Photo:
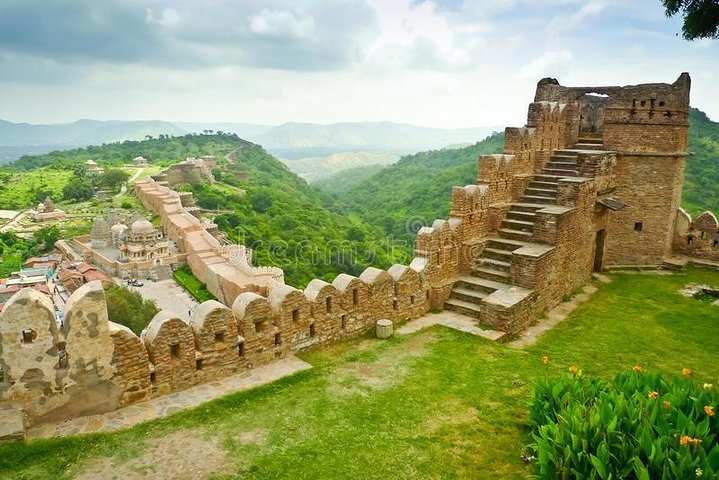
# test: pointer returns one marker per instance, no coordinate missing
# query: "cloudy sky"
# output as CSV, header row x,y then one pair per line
x,y
443,63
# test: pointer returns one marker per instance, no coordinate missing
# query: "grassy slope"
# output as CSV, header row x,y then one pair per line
x,y
701,183
441,404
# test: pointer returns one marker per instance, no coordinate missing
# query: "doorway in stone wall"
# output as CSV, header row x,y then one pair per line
x,y
592,107
599,250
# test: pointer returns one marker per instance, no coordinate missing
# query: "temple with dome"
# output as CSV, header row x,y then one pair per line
x,y
139,251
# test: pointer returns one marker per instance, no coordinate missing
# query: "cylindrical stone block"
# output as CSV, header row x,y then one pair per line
x,y
384,328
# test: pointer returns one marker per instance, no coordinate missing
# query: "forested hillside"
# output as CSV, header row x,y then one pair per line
x,y
701,183
416,190
288,223
342,182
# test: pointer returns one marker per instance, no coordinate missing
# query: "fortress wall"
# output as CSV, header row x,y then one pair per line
x,y
108,366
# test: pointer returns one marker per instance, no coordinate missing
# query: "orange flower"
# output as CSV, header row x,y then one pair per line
x,y
686,372
666,404
709,410
637,368
653,395
574,370
684,440
545,360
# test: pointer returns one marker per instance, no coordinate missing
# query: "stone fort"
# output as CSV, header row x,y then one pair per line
x,y
593,181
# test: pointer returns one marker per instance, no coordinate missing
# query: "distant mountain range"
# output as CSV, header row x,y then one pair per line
x,y
301,140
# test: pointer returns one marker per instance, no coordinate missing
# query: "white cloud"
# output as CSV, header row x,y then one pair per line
x,y
566,23
282,23
168,18
550,63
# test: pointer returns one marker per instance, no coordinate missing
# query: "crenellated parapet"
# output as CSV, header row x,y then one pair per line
x,y
697,239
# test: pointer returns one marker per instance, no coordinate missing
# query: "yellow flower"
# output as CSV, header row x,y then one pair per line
x,y
708,386
637,368
545,360
574,370
709,410
666,404
686,372
696,441
653,395
698,472
685,440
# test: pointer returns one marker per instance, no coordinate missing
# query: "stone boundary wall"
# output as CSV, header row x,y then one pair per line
x,y
92,365
698,239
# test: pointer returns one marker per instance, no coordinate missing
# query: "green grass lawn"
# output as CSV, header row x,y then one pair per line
x,y
192,284
436,404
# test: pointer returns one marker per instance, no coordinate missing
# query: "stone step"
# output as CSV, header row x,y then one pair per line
x,y
563,157
522,225
544,185
538,199
599,140
465,308
541,192
494,264
490,274
589,146
506,244
560,173
545,177
520,215
561,165
468,295
497,254
526,207
515,234
480,284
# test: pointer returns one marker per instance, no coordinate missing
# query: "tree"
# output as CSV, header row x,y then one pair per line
x,y
701,17
128,308
47,236
114,177
77,189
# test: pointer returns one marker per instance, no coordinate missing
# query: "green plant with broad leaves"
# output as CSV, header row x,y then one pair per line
x,y
640,426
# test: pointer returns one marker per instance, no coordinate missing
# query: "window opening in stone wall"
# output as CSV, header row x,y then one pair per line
x,y
278,339
241,349
198,364
153,377
312,330
2,375
328,305
175,350
219,337
638,226
643,103
296,315
344,321
704,235
355,297
427,294
662,103
259,326
411,299
28,335
395,305
62,357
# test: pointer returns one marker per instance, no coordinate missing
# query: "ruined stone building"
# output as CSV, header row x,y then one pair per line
x,y
592,182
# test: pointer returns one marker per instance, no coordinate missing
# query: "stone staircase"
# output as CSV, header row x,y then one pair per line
x,y
490,271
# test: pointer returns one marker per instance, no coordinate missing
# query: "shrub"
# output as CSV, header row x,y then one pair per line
x,y
640,426
192,284
127,307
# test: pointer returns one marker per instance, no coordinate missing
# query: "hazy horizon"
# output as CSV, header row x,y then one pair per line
x,y
437,64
